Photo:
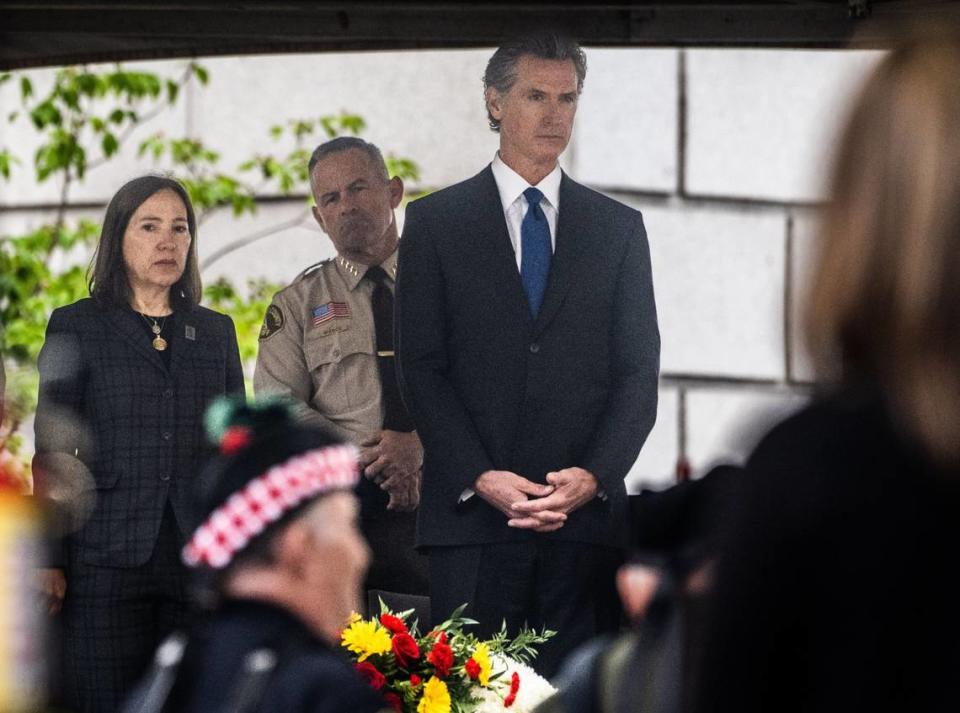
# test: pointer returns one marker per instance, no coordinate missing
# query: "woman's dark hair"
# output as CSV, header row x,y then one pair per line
x,y
107,276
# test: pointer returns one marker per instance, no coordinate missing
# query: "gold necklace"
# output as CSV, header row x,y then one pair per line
x,y
159,343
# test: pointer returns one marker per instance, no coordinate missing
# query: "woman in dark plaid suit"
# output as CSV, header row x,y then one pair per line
x,y
125,377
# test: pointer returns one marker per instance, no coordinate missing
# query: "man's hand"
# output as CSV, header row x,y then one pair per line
x,y
392,459
572,488
404,491
390,453
504,489
51,585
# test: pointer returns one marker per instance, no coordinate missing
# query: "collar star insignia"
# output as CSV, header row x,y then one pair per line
x,y
348,266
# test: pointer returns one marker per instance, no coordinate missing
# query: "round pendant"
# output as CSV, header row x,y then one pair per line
x,y
159,343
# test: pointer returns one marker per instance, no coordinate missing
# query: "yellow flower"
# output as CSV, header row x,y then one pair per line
x,y
365,638
481,655
436,697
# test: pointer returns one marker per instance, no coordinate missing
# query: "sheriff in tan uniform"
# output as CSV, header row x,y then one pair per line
x,y
326,343
317,345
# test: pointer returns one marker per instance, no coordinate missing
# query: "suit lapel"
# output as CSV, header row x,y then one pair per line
x,y
572,225
495,243
125,322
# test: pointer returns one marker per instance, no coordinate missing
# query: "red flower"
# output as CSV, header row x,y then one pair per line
x,y
369,673
234,438
405,649
415,680
394,701
441,656
393,624
472,668
514,687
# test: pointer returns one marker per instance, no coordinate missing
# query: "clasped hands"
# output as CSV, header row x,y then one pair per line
x,y
392,460
537,506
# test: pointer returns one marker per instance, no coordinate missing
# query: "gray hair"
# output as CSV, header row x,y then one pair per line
x,y
347,143
501,70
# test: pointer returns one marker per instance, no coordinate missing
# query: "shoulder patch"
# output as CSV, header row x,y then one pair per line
x,y
272,322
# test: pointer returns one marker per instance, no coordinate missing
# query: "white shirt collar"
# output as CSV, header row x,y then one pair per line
x,y
511,184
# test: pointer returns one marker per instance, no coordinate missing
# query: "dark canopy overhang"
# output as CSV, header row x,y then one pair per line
x,y
55,33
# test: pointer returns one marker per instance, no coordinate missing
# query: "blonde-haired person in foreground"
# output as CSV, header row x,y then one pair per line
x,y
834,590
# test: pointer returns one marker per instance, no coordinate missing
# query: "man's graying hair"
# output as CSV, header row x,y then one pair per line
x,y
501,70
346,143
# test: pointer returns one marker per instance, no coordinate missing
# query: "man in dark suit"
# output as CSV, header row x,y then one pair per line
x,y
529,354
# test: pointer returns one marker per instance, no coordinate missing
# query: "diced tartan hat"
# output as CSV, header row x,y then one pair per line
x,y
268,467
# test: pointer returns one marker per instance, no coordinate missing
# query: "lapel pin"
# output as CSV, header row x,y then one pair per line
x,y
190,332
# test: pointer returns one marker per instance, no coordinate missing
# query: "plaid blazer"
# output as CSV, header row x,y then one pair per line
x,y
107,398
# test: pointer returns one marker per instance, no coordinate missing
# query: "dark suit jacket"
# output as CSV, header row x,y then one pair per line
x,y
490,388
106,396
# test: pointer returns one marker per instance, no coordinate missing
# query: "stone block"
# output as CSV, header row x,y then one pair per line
x,y
719,284
761,123
626,128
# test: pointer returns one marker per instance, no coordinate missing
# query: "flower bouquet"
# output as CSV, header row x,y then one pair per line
x,y
446,670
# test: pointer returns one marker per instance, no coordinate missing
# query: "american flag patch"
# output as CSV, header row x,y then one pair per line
x,y
331,310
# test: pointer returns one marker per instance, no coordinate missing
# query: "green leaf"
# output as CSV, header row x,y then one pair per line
x,y
352,123
109,144
46,114
202,75
89,84
7,160
26,88
276,132
117,116
173,91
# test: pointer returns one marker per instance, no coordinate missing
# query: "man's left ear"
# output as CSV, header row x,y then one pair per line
x,y
396,191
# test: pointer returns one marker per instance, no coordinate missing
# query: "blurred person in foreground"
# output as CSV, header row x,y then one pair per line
x,y
283,561
125,376
663,587
833,592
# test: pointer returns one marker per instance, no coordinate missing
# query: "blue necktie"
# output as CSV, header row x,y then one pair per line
x,y
535,251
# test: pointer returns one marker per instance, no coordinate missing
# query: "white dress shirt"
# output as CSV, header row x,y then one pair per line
x,y
511,186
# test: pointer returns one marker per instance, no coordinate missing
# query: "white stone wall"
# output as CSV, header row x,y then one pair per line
x,y
724,151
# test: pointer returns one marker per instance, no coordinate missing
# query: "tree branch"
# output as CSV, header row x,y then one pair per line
x,y
252,238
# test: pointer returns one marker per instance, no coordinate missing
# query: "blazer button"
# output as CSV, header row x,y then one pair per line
x,y
534,348
164,476
167,435
168,393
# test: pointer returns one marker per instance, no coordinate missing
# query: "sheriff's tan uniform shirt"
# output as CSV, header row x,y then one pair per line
x,y
318,347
